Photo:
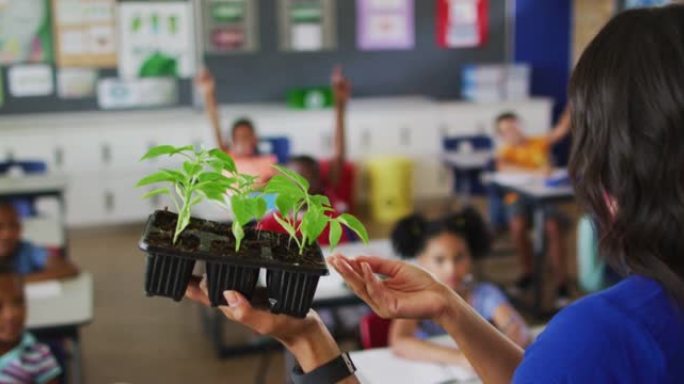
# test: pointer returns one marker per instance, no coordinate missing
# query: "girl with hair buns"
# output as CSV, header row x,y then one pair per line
x,y
446,248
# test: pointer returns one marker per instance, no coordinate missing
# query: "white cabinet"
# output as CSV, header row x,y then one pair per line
x,y
100,151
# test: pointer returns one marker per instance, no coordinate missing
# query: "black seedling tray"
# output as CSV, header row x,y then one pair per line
x,y
291,278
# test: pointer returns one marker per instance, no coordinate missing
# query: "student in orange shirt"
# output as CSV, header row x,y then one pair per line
x,y
244,142
521,153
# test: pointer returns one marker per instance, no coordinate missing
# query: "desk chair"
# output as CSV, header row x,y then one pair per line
x,y
468,182
276,145
374,331
25,206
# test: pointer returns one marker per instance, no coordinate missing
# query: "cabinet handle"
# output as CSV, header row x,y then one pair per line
x,y
59,156
405,136
109,201
365,139
106,154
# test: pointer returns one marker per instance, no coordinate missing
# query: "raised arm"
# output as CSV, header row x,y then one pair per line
x,y
341,91
562,127
206,84
404,343
410,292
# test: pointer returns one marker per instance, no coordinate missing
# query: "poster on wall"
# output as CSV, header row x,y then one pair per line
x,y
85,33
307,25
76,83
137,93
645,3
156,39
230,26
462,23
589,16
28,80
385,24
25,32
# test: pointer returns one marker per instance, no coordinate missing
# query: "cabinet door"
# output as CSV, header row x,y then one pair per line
x,y
123,202
85,199
79,151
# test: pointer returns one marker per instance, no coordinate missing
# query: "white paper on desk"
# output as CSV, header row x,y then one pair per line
x,y
382,366
43,290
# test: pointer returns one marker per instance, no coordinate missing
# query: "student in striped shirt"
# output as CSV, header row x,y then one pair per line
x,y
22,358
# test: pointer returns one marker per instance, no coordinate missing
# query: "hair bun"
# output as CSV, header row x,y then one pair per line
x,y
408,235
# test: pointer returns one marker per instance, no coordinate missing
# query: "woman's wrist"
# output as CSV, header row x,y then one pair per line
x,y
312,348
451,309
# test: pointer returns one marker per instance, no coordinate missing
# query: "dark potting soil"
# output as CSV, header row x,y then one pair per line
x,y
213,241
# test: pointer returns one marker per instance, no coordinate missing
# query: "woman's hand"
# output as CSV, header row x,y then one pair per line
x,y
407,291
307,339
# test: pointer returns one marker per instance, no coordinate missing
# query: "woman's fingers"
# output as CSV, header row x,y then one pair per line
x,y
350,276
383,266
196,291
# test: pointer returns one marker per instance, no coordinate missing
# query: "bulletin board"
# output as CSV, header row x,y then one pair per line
x,y
266,73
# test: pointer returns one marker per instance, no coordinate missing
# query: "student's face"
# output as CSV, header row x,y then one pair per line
x,y
10,231
12,309
309,173
244,141
510,132
447,257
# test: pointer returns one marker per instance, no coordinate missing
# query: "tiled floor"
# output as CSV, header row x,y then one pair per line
x,y
135,339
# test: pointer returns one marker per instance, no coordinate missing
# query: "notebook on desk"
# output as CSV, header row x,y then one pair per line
x,y
382,366
43,290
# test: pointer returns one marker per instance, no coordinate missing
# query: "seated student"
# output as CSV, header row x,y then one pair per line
x,y
446,248
310,169
522,153
22,359
244,147
33,262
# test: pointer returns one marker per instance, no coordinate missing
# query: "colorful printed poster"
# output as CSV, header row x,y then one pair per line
x,y
76,83
30,80
156,39
137,93
385,24
307,25
25,32
230,26
462,23
645,3
85,33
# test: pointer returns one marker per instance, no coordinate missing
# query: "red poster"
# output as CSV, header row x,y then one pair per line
x,y
462,23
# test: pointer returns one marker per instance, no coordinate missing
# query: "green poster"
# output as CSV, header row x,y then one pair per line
x,y
25,32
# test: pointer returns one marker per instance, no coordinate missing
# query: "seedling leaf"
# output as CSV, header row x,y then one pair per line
x,y
227,161
335,233
355,225
155,192
294,176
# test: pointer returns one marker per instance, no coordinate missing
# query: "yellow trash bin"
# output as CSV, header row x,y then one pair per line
x,y
391,187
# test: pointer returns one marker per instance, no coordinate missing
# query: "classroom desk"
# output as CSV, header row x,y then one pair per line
x,y
59,309
467,165
380,365
534,188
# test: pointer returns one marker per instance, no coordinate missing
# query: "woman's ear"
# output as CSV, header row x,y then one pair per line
x,y
611,203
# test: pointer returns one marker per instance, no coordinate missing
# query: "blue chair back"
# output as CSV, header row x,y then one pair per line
x,y
276,145
469,180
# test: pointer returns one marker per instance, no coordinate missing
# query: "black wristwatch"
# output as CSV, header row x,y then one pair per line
x,y
331,372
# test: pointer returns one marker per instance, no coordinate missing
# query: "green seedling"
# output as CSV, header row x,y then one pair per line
x,y
204,175
305,216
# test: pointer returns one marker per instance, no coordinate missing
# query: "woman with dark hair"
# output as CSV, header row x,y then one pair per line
x,y
446,247
627,103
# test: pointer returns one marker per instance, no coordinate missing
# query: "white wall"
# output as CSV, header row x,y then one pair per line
x,y
99,151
